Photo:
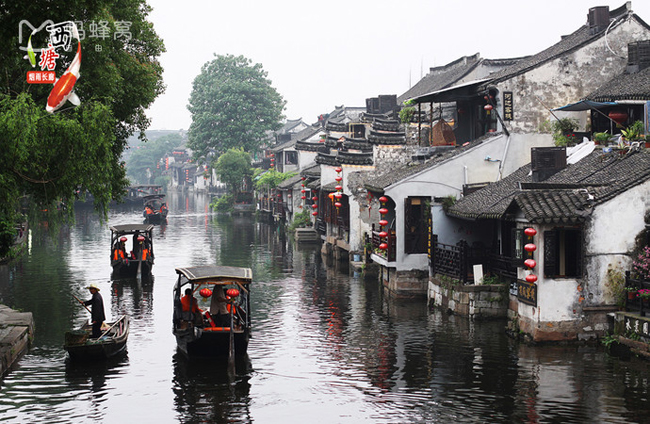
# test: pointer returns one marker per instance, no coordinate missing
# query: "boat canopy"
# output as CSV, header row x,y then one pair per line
x,y
132,228
584,105
213,272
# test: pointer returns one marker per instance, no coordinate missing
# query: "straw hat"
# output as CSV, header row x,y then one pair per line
x,y
92,286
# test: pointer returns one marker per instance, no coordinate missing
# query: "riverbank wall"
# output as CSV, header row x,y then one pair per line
x,y
16,335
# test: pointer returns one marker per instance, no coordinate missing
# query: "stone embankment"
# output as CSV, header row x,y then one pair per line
x,y
16,335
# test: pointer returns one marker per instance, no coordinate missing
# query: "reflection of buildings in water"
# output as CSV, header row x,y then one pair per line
x,y
204,390
132,297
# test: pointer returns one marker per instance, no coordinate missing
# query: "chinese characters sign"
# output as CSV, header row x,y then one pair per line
x,y
508,113
527,292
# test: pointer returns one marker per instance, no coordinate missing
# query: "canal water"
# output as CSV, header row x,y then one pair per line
x,y
327,346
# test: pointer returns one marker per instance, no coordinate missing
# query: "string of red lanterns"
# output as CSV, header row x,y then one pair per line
x,y
530,248
383,234
303,191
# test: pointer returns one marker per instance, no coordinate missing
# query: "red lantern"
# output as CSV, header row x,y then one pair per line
x,y
338,188
530,232
123,239
205,293
383,211
383,199
383,246
531,278
383,234
314,198
303,197
338,195
337,204
303,191
331,196
314,213
232,293
488,107
303,178
314,205
530,247
339,179
618,116
530,263
338,169
383,222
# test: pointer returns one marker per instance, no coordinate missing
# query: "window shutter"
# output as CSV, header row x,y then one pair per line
x,y
550,253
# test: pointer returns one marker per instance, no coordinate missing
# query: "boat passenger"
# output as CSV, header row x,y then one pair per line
x,y
97,316
219,308
189,304
119,251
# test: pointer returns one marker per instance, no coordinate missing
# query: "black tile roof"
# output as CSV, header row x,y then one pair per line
x,y
567,196
442,77
577,39
386,177
624,87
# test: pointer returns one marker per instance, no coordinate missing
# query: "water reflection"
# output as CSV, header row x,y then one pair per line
x,y
327,345
205,391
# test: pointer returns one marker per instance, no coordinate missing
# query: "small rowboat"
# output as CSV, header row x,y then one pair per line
x,y
112,342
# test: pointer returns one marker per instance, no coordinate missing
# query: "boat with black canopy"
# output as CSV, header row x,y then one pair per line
x,y
223,326
155,209
132,253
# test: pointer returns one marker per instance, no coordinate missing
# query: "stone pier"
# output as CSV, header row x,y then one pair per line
x,y
16,335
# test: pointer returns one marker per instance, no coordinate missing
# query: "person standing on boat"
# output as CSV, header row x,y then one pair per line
x,y
97,316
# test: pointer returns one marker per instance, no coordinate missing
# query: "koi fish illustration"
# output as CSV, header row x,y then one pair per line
x,y
30,51
63,87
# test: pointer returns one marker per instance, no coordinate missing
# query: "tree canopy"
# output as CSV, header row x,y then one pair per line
x,y
233,105
148,155
48,158
233,168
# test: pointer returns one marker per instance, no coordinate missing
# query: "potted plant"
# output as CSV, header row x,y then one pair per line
x,y
634,132
631,292
601,137
563,130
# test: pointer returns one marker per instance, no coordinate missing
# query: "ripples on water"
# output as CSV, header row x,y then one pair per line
x,y
327,347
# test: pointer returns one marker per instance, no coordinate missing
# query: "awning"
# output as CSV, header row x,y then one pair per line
x,y
584,105
449,94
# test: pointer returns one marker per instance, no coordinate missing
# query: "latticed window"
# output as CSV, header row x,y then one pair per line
x,y
563,253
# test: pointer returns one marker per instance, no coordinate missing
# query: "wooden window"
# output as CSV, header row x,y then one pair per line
x,y
563,253
415,224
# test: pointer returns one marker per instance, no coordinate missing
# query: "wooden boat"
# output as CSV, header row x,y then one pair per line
x,y
155,208
132,253
112,342
210,333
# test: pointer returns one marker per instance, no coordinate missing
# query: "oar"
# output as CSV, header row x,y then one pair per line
x,y
80,301
109,328
231,348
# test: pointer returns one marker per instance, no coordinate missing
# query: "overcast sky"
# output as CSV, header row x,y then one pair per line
x,y
319,55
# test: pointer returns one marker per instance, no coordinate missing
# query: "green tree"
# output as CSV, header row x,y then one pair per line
x,y
234,169
233,105
47,158
148,155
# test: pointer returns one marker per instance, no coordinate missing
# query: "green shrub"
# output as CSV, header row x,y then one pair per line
x,y
300,220
223,204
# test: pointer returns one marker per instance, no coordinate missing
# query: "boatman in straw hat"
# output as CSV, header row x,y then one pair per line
x,y
97,310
